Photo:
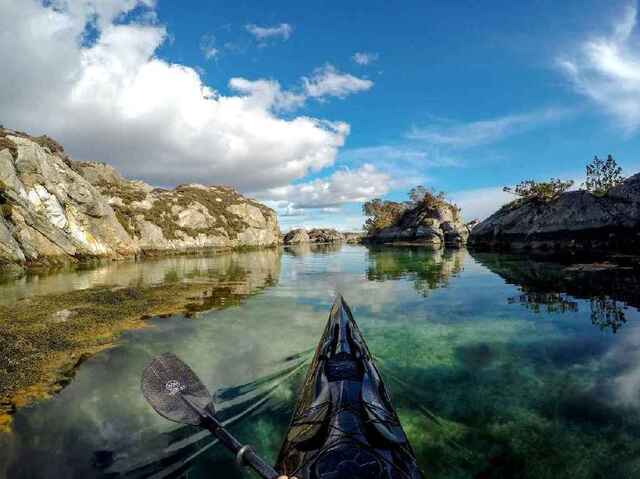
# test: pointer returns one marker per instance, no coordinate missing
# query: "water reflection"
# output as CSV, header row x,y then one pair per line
x,y
485,388
555,286
256,267
427,269
302,249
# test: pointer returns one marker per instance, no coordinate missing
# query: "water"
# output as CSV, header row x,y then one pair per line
x,y
498,366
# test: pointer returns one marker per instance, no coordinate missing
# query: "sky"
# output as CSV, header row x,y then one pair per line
x,y
315,107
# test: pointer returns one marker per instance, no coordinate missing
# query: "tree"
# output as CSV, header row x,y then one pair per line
x,y
602,175
543,191
382,214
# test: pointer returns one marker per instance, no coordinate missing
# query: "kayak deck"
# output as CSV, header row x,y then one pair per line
x,y
344,426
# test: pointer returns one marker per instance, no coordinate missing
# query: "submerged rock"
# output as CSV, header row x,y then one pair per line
x,y
576,220
56,210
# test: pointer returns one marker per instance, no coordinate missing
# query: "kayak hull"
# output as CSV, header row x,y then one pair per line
x,y
344,425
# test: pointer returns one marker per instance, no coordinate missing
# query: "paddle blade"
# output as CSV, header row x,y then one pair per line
x,y
174,390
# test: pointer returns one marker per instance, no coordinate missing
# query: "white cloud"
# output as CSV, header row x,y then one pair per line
x,y
480,203
364,58
607,71
283,31
208,46
463,135
328,81
342,187
116,101
267,94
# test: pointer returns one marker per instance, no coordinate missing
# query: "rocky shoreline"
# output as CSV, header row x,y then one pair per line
x,y
57,211
575,222
319,236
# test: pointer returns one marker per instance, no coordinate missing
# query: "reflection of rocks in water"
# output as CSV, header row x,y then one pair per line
x,y
552,286
429,269
302,249
47,336
607,313
255,266
547,302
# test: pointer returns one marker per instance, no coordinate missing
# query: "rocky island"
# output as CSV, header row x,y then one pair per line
x,y
315,235
57,211
575,221
428,220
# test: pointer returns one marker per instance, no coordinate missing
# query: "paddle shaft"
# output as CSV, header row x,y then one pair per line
x,y
244,454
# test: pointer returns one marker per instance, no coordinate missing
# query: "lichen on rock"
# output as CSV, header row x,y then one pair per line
x,y
55,210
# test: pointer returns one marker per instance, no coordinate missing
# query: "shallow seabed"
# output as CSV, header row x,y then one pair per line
x,y
498,366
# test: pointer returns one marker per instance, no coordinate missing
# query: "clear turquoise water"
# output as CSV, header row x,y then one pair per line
x,y
498,366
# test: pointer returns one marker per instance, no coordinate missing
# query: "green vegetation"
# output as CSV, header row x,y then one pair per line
x,y
383,214
541,191
602,175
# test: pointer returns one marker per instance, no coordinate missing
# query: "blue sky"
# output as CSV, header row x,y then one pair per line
x,y
314,107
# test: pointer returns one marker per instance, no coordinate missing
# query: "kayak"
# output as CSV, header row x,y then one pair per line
x,y
344,426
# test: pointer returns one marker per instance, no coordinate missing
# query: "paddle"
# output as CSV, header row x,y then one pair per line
x,y
177,394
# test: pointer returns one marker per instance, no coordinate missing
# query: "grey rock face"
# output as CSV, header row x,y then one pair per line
x,y
55,210
296,236
316,235
325,235
429,226
577,220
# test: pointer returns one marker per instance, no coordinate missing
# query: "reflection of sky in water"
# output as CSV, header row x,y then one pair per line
x,y
485,387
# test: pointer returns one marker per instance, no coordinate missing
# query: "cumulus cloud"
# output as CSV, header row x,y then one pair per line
x,y
325,82
607,71
484,132
328,81
364,58
113,100
282,31
343,186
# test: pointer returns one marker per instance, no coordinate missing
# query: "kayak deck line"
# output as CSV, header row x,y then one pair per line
x,y
344,425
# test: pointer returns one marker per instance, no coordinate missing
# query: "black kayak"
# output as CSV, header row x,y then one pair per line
x,y
344,426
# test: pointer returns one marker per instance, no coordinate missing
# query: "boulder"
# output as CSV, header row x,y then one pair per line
x,y
296,236
316,235
575,221
325,235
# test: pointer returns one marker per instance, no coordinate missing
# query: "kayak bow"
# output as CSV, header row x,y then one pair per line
x,y
344,426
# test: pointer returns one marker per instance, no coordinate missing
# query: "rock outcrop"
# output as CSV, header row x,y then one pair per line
x,y
353,238
296,236
325,235
575,221
430,225
56,210
316,235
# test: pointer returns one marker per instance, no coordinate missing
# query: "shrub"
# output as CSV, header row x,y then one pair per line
x,y
543,191
602,175
382,214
